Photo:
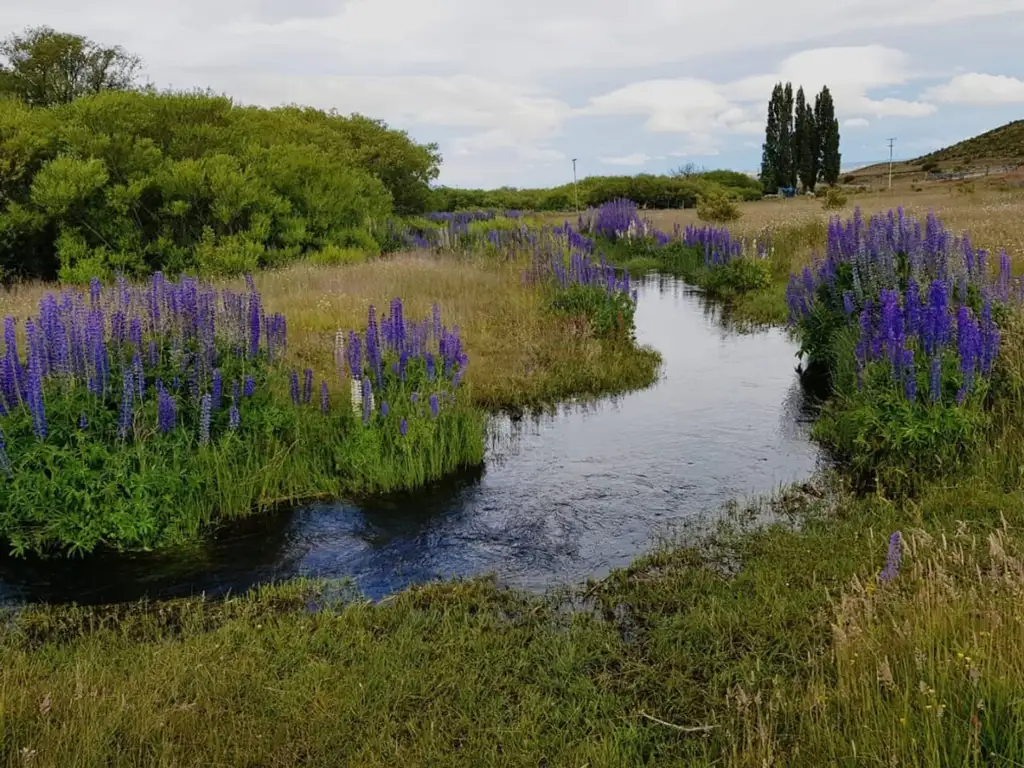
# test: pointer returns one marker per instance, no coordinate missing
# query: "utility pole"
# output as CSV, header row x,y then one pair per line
x,y
575,189
893,139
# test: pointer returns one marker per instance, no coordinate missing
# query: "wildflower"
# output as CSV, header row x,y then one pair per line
x,y
234,418
217,390
367,400
434,405
403,427
294,387
127,396
204,420
167,411
83,422
892,559
307,386
385,409
325,402
250,386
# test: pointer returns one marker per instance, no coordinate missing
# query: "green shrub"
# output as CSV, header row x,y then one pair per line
x,y
610,314
717,208
834,199
737,276
894,445
134,182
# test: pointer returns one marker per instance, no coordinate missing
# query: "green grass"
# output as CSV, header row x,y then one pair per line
x,y
682,658
81,489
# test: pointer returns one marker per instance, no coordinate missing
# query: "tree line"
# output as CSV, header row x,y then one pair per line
x,y
801,141
99,174
679,190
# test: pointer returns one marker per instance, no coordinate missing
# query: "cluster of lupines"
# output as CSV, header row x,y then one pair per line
x,y
716,243
615,219
393,359
566,257
908,291
121,344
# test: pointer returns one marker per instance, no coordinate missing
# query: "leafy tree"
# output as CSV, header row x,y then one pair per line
x,y
828,133
786,172
770,153
43,67
805,143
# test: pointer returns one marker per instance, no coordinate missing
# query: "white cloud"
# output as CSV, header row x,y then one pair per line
x,y
856,122
637,158
978,89
706,111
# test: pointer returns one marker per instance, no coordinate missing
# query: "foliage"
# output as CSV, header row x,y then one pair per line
x,y
43,67
149,413
717,209
910,351
834,199
646,190
806,150
610,314
130,183
828,136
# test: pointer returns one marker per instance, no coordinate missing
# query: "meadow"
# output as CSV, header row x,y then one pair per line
x,y
874,620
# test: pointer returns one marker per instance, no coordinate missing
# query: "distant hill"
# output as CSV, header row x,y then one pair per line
x,y
1000,146
994,151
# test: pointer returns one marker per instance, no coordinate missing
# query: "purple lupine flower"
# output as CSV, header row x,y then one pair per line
x,y
848,307
910,376
139,374
255,318
385,409
373,352
967,346
403,427
892,558
935,379
216,390
236,391
367,400
294,387
250,386
325,402
204,420
167,410
234,418
414,397
354,354
431,367
124,426
435,406
307,386
83,422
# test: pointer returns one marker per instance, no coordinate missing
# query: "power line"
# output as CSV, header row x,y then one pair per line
x,y
891,142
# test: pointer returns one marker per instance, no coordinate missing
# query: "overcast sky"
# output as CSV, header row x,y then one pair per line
x,y
513,90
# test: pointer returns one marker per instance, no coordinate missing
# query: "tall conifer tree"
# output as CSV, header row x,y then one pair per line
x,y
770,148
828,136
786,175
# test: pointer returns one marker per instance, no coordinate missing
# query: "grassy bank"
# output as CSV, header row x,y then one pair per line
x,y
137,416
801,657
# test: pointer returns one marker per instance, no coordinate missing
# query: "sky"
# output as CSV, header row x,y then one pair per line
x,y
512,92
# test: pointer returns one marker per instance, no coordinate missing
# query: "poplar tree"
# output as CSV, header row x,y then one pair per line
x,y
828,136
786,171
770,148
804,142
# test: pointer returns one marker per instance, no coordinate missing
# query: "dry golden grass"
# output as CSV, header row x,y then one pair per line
x,y
993,217
521,354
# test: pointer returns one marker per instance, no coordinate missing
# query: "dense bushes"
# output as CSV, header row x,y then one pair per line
x,y
646,190
137,182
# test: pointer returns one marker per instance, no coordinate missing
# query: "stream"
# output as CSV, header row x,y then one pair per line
x,y
559,499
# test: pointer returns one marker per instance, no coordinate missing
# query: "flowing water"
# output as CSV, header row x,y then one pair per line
x,y
559,499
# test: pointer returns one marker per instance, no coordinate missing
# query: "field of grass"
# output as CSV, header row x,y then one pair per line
x,y
820,627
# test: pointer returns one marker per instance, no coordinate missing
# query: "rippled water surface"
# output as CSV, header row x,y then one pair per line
x,y
559,499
